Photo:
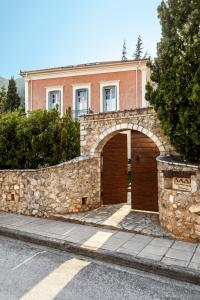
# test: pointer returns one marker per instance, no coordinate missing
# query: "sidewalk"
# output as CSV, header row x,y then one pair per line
x,y
180,260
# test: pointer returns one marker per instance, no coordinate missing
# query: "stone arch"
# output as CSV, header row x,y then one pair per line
x,y
113,130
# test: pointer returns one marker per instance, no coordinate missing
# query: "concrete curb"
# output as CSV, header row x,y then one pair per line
x,y
147,265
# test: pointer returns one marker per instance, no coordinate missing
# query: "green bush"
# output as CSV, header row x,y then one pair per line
x,y
38,140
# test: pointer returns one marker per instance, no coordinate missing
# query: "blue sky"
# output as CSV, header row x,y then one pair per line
x,y
47,33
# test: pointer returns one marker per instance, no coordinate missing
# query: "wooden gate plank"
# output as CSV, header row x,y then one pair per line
x,y
114,170
144,184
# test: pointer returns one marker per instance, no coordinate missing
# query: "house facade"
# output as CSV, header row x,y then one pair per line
x,y
94,87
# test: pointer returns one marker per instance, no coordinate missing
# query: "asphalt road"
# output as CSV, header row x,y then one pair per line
x,y
32,272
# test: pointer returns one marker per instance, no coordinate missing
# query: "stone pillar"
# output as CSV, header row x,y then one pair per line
x,y
179,198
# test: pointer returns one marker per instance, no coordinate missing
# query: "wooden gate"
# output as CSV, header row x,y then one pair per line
x,y
114,170
144,185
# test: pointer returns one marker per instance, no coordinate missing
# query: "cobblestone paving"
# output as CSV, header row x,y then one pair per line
x,y
121,217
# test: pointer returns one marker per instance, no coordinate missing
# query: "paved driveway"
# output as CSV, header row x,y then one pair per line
x,y
121,216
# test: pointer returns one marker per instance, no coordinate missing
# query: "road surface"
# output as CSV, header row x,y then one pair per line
x,y
32,272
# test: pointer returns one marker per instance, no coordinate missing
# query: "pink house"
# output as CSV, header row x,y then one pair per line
x,y
97,87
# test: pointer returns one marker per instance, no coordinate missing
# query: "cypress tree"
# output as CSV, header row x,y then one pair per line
x,y
175,88
124,51
13,99
139,49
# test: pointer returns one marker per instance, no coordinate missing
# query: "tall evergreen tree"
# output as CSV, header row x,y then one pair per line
x,y
13,99
175,88
139,49
146,55
124,51
3,97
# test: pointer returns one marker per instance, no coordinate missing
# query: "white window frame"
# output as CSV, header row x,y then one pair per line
x,y
104,84
79,87
51,89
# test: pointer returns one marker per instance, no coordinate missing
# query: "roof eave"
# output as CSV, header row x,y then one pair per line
x,y
78,67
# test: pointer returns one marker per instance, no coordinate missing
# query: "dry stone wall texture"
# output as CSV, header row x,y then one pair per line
x,y
97,129
179,198
69,187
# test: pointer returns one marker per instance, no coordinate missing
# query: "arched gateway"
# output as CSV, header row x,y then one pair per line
x,y
101,138
97,129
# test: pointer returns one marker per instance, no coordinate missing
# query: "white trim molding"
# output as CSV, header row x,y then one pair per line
x,y
104,84
85,71
144,82
26,95
55,88
81,86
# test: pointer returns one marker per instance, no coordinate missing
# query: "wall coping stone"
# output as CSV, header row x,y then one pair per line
x,y
177,161
180,174
71,161
119,114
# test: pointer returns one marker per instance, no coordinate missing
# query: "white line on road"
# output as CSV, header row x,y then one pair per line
x,y
52,284
27,260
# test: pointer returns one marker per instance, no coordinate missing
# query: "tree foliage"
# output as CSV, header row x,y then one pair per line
x,y
38,140
124,51
138,49
175,88
13,100
3,97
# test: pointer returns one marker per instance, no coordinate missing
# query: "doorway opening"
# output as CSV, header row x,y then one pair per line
x,y
129,171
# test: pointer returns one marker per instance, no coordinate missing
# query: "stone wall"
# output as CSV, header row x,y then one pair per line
x,y
69,187
97,129
179,198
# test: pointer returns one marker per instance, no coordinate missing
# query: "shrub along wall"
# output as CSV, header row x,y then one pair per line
x,y
32,182
40,139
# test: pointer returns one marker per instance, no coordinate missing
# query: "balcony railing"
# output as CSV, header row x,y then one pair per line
x,y
77,113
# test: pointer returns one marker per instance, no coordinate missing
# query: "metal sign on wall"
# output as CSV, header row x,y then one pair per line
x,y
178,180
181,183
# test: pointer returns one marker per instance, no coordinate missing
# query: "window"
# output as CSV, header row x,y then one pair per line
x,y
109,96
81,99
54,98
81,104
